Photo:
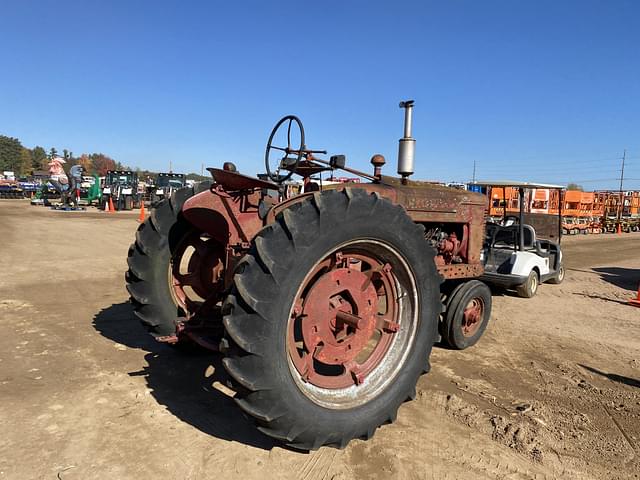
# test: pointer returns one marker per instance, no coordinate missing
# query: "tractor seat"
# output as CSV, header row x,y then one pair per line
x,y
311,187
529,235
531,243
233,181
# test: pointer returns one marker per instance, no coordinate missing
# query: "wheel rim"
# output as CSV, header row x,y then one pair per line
x,y
472,316
534,283
195,271
352,324
561,274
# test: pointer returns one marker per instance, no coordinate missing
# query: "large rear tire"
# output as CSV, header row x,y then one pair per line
x,y
158,239
332,318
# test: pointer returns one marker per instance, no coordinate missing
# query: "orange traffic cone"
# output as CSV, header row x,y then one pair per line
x,y
141,218
619,231
111,209
636,301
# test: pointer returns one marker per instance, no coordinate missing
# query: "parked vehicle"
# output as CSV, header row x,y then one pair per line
x,y
165,185
514,256
325,304
121,187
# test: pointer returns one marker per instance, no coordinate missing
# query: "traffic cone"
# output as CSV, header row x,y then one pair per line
x,y
141,218
636,301
111,208
619,231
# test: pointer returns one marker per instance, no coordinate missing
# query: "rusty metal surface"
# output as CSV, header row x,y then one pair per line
x,y
460,270
233,181
196,266
229,217
336,320
472,316
428,203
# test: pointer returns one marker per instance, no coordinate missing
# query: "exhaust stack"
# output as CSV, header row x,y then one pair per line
x,y
407,147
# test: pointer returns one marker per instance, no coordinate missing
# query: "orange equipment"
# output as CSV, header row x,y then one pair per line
x,y
141,218
636,301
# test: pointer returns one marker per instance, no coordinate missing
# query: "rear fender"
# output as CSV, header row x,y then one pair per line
x,y
230,218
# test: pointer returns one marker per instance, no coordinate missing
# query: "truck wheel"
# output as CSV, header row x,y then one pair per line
x,y
559,276
467,315
332,318
529,288
170,266
128,203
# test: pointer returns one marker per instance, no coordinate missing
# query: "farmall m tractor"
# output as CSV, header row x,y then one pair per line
x,y
326,303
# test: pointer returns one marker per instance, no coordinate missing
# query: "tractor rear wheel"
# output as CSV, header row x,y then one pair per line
x,y
332,318
171,265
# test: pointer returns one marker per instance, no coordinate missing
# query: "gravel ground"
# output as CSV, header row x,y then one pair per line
x,y
551,391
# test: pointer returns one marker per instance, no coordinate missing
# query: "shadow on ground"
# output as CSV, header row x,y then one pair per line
x,y
600,297
626,278
613,377
178,379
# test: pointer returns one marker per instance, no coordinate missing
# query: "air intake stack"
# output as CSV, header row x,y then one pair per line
x,y
407,147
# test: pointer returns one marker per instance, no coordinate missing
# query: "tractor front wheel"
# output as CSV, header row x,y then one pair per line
x,y
332,319
467,315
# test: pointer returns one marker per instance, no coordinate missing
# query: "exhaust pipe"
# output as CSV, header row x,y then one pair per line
x,y
407,147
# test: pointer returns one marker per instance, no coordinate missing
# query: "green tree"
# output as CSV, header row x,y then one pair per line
x,y
86,164
197,177
38,158
25,162
10,153
102,163
53,153
574,186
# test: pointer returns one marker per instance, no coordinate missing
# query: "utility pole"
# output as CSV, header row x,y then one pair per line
x,y
474,172
202,169
624,157
170,167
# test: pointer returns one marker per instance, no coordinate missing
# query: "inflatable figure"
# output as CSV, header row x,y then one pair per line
x,y
67,187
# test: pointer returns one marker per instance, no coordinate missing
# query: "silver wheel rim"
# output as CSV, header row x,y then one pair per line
x,y
395,358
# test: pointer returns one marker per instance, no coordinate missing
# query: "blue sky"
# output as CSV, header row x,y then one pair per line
x,y
539,90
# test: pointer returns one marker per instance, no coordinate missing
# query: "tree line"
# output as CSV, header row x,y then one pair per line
x,y
24,161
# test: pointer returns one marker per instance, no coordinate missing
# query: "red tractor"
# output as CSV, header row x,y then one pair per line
x,y
325,303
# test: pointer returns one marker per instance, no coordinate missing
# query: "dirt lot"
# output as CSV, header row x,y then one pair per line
x,y
551,391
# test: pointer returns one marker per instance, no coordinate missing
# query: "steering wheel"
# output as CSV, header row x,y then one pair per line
x,y
291,163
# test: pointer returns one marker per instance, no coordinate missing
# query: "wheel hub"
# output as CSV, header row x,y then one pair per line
x,y
195,271
343,321
472,317
339,315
